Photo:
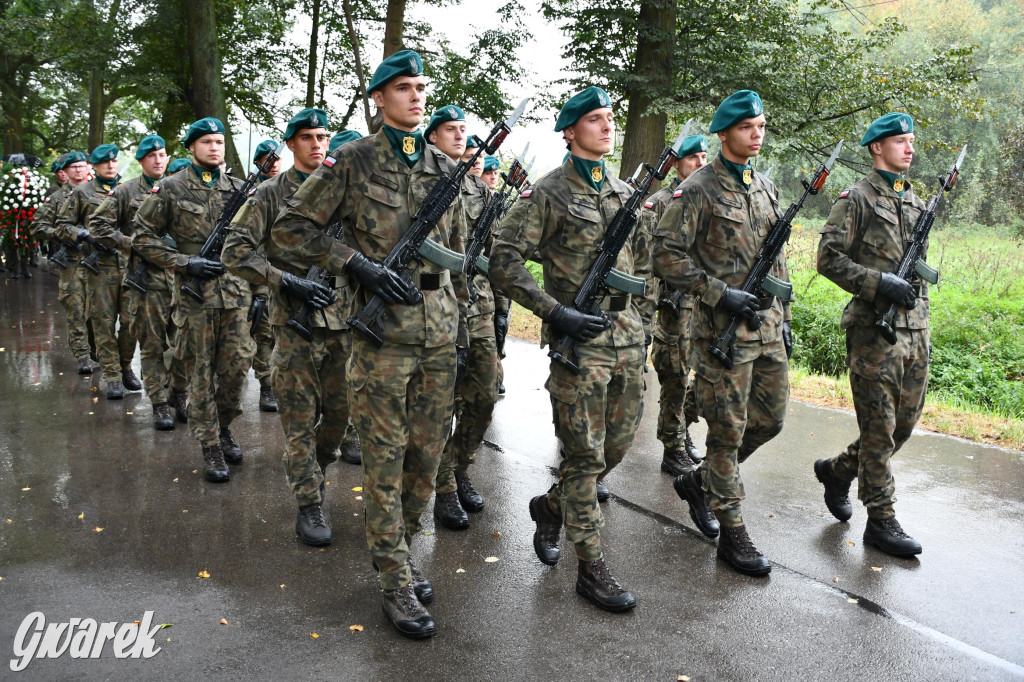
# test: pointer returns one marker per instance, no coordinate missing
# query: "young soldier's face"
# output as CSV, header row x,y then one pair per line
x,y
478,165
154,164
62,176
742,141
490,178
690,163
309,146
450,138
208,150
77,172
401,101
593,135
106,169
894,153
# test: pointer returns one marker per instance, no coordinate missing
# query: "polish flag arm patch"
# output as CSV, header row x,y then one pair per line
x,y
330,161
844,194
678,193
526,193
649,204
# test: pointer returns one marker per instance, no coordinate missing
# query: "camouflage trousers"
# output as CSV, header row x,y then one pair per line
x,y
154,329
474,403
115,347
221,349
677,405
400,397
594,414
71,293
265,339
744,407
312,398
889,385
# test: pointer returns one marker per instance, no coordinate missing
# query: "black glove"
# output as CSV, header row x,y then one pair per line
x,y
81,235
382,281
580,326
739,303
500,330
787,339
897,290
203,268
255,314
308,291
461,361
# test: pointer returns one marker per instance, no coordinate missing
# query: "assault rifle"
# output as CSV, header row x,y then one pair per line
x,y
369,320
913,264
92,261
138,278
215,242
299,322
60,256
760,281
602,276
475,261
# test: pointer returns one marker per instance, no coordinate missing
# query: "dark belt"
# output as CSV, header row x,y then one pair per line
x,y
431,281
617,302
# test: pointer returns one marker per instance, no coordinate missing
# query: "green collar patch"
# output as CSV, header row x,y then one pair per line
x,y
408,146
107,185
206,176
743,173
592,172
149,181
302,176
898,183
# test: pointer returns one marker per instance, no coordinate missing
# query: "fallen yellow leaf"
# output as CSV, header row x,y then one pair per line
x,y
355,628
97,529
25,490
136,622
497,534
166,625
82,515
771,516
850,543
314,635
204,574
129,413
682,678
9,521
836,579
876,569
37,384
223,621
282,586
491,559
853,601
460,570
357,489
174,481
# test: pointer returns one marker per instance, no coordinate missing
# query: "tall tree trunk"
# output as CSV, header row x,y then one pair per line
x,y
371,124
394,27
13,121
644,136
204,59
313,37
96,109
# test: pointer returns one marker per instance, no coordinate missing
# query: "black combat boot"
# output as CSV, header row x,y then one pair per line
x,y
736,549
163,420
548,536
351,450
130,381
407,614
677,462
84,366
311,526
696,455
471,500
837,493
178,400
595,582
216,468
449,513
888,536
268,403
114,390
232,451
420,584
688,488
602,492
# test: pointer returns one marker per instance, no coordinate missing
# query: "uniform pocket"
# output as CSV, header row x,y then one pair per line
x,y
356,375
583,230
562,390
726,226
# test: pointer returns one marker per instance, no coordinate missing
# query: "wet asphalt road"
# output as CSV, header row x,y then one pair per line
x,y
72,462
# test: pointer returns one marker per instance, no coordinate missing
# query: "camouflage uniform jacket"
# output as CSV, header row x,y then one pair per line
x,y
374,194
865,235
80,209
668,324
708,239
250,254
563,220
187,210
44,219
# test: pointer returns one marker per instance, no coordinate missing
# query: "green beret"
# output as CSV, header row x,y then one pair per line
x,y
204,126
582,103
443,115
150,143
74,157
895,123
735,108
693,144
264,148
474,142
59,164
105,152
491,163
177,165
307,118
344,137
404,63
